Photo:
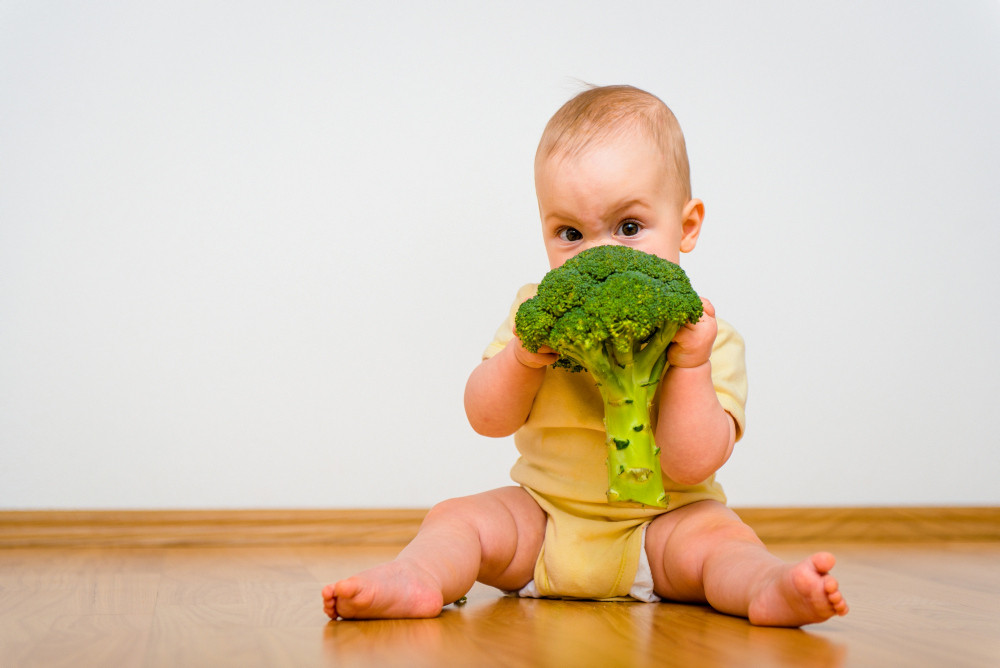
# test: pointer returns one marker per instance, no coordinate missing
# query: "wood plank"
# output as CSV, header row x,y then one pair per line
x,y
874,524
196,528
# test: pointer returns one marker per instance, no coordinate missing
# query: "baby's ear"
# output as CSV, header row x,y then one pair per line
x,y
691,220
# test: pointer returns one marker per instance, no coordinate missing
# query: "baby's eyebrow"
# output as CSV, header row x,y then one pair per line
x,y
555,218
627,204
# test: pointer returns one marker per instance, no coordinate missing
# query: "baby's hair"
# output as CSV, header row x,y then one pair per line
x,y
602,113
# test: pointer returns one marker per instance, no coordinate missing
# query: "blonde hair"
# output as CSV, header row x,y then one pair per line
x,y
602,113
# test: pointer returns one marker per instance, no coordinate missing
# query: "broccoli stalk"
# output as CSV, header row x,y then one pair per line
x,y
613,311
627,383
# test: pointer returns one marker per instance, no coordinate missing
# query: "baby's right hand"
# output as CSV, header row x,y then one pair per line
x,y
543,358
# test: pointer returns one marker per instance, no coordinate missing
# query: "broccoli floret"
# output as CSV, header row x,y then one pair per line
x,y
612,311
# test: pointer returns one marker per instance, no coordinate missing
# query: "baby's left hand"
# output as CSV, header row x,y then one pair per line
x,y
692,345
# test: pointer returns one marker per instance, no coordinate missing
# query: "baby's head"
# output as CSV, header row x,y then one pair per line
x,y
607,113
612,167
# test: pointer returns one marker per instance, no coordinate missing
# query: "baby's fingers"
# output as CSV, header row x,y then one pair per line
x,y
688,328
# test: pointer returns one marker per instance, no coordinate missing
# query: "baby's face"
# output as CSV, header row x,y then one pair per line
x,y
616,192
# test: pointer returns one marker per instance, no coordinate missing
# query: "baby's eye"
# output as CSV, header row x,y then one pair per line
x,y
629,228
569,234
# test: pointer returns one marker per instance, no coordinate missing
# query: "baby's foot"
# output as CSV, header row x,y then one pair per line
x,y
394,590
803,593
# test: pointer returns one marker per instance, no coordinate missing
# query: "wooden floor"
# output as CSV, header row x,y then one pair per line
x,y
912,605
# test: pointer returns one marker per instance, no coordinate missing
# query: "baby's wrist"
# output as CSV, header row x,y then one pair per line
x,y
528,359
691,364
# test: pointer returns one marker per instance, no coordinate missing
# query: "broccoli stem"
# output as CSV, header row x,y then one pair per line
x,y
627,382
634,472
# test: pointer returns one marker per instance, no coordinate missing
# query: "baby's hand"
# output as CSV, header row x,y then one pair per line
x,y
543,358
692,345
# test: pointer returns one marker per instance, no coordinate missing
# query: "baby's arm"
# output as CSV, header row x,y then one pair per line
x,y
694,432
500,391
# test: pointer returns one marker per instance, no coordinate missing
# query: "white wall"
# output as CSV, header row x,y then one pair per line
x,y
250,251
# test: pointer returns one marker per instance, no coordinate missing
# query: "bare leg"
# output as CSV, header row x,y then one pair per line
x,y
704,553
494,537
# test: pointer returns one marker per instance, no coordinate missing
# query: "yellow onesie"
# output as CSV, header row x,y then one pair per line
x,y
591,548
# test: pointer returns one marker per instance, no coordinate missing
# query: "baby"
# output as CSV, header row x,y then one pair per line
x,y
611,168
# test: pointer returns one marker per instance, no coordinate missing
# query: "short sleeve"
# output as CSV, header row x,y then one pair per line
x,y
729,374
506,331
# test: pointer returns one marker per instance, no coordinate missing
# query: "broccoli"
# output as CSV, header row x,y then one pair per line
x,y
612,311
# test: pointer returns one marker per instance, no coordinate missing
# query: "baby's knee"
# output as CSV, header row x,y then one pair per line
x,y
459,508
733,528
499,505
727,532
696,531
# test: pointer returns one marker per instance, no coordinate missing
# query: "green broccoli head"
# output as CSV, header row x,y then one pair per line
x,y
613,311
607,300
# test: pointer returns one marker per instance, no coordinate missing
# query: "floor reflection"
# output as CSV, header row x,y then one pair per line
x,y
506,631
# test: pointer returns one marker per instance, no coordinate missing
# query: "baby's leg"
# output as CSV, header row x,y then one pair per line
x,y
494,537
704,553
